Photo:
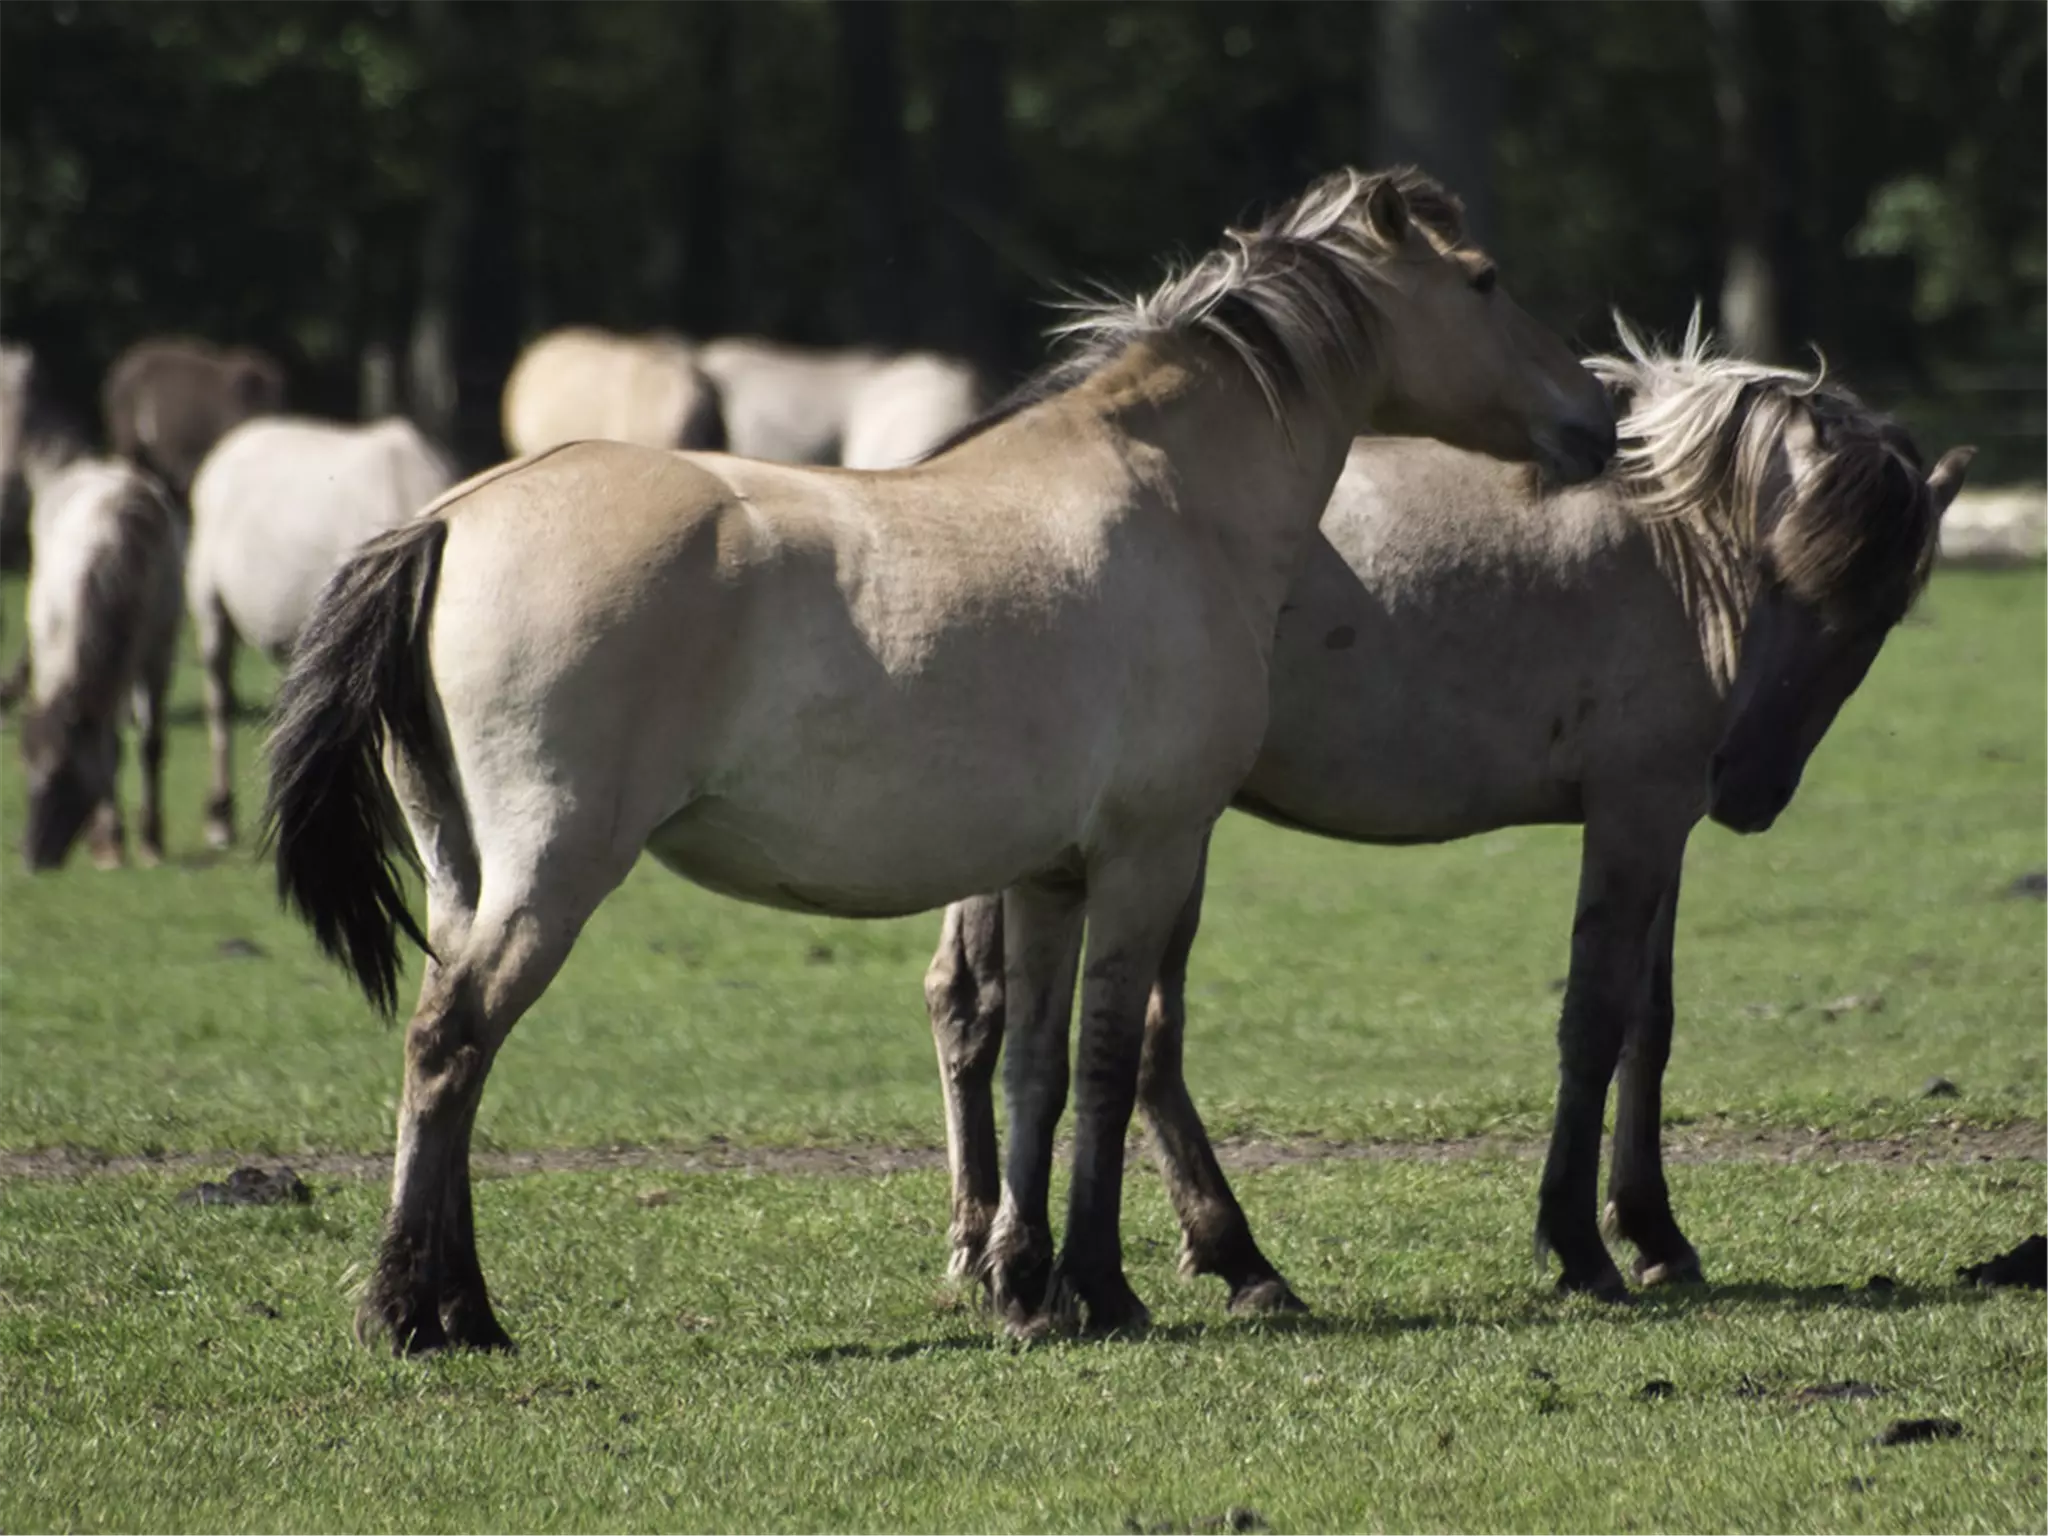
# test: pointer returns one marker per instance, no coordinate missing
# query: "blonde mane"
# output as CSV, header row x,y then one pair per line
x,y
1851,530
1293,299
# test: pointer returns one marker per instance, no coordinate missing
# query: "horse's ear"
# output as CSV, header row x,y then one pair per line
x,y
1387,211
1947,477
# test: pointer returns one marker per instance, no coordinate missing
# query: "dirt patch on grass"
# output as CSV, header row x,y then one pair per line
x,y
1682,1144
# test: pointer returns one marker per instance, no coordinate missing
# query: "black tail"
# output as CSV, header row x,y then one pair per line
x,y
357,674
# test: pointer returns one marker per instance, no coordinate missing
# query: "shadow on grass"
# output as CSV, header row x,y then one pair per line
x,y
1687,1300
1676,1301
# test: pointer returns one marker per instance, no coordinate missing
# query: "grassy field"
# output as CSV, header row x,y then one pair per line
x,y
760,1351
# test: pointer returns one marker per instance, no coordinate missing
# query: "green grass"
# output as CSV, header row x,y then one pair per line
x,y
1351,992
777,1353
768,1354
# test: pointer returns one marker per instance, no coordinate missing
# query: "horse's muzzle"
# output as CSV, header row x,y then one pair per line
x,y
1747,802
1577,451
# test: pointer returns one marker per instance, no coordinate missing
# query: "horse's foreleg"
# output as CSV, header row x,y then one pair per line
x,y
1133,905
217,655
1215,1237
1638,1201
1620,886
1041,949
106,837
963,991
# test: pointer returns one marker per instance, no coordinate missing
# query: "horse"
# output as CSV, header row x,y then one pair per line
x,y
168,400
276,508
583,382
1464,650
105,591
856,408
1034,661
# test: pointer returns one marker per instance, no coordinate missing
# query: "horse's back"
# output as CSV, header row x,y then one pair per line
x,y
282,500
907,408
108,557
586,383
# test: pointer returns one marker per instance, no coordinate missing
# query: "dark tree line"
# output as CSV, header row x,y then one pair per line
x,y
393,194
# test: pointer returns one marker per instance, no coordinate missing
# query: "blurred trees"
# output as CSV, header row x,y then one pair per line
x,y
393,193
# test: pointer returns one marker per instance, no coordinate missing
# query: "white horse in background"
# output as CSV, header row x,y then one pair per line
x,y
277,506
861,409
586,383
104,593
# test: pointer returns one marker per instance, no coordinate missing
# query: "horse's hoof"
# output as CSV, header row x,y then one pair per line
x,y
1096,1305
464,1329
1272,1297
408,1337
1608,1287
1684,1270
219,837
148,856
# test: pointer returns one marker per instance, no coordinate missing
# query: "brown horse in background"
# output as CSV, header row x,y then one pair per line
x,y
168,400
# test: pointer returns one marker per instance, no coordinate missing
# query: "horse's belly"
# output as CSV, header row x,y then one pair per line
x,y
865,863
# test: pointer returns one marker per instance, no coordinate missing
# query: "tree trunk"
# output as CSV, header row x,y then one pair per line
x,y
1749,279
973,169
466,323
1436,96
703,296
871,108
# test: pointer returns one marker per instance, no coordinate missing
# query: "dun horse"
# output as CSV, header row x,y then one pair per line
x,y
1034,662
168,401
1463,652
277,507
858,409
582,382
104,596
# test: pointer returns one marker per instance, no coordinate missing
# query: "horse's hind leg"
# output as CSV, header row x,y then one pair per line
x,y
106,835
963,992
1638,1200
428,1290
1215,1237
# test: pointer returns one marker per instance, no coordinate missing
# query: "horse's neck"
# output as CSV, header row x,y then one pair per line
x,y
1199,438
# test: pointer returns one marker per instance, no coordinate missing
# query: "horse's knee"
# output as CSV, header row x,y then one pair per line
x,y
448,1049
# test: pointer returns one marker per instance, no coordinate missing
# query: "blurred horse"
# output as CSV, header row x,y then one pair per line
x,y
104,596
278,505
1035,660
169,400
1464,650
587,383
857,408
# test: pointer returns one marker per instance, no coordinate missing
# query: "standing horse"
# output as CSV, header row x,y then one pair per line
x,y
1463,651
856,408
104,595
583,382
1035,661
169,400
276,508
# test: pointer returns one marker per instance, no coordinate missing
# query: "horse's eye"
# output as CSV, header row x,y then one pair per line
x,y
1483,280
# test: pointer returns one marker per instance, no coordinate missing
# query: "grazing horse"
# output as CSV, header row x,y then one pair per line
x,y
1035,661
276,508
169,400
104,594
1463,650
859,409
583,382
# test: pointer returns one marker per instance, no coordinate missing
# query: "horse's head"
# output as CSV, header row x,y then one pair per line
x,y
1460,360
71,765
1841,559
